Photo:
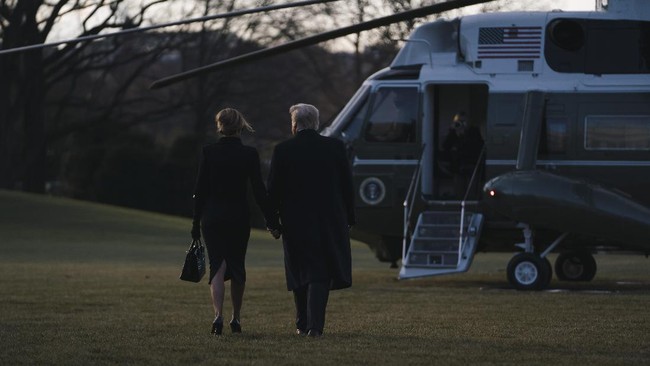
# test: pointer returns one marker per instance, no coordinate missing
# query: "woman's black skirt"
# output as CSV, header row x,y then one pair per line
x,y
227,242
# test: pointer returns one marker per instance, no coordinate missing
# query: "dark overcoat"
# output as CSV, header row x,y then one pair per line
x,y
221,205
310,183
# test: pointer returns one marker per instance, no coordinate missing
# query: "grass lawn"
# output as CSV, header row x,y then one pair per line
x,y
82,283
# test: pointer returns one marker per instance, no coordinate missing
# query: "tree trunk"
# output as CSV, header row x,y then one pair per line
x,y
22,124
34,146
7,121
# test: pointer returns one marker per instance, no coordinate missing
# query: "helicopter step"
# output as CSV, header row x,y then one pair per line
x,y
439,246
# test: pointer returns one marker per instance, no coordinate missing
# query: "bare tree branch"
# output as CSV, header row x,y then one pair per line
x,y
54,15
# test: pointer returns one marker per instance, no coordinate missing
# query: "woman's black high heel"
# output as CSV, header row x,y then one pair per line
x,y
217,326
235,326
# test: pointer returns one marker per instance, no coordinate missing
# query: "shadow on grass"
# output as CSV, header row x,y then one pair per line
x,y
567,287
499,284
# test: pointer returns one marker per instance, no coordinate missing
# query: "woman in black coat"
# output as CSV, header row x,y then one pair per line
x,y
221,210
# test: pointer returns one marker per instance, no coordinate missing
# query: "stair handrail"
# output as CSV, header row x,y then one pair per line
x,y
476,168
409,199
462,203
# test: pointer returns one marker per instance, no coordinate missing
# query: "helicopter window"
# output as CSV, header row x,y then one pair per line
x,y
353,128
617,133
554,136
567,34
393,115
343,121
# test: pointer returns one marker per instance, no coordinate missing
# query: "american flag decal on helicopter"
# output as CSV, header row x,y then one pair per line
x,y
510,42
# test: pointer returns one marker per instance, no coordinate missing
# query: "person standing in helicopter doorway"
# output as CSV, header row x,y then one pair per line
x,y
463,146
310,185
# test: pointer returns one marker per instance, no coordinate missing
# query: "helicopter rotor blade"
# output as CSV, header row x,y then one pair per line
x,y
318,38
231,14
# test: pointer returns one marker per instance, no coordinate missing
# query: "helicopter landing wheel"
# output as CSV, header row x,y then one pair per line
x,y
575,266
527,271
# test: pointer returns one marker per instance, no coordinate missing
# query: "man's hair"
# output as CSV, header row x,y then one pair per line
x,y
305,116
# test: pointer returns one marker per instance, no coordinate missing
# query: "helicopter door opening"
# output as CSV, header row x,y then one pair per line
x,y
453,160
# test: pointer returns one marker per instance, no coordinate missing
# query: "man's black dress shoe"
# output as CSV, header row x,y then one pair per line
x,y
217,326
315,333
235,326
301,332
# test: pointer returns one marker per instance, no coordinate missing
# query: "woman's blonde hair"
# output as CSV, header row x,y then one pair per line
x,y
231,122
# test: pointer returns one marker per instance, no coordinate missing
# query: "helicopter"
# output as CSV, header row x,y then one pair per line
x,y
561,101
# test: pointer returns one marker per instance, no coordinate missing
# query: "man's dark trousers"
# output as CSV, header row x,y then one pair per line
x,y
311,301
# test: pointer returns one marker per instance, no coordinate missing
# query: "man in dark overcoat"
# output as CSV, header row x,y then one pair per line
x,y
310,184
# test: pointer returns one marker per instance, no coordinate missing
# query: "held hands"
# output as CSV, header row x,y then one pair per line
x,y
275,232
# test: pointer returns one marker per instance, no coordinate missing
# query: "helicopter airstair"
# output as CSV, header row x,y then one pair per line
x,y
443,242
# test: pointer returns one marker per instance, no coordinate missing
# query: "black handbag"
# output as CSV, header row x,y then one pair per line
x,y
194,267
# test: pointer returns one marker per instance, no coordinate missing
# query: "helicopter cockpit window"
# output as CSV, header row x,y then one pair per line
x,y
617,133
393,115
350,120
353,128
